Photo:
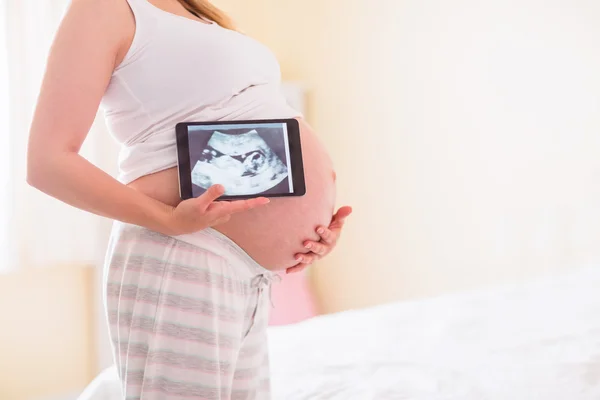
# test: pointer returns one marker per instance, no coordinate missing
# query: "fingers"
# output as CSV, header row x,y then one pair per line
x,y
307,258
296,269
232,207
317,248
208,202
330,234
212,194
343,213
224,208
340,217
327,235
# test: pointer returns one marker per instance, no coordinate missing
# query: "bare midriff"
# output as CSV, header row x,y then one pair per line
x,y
273,234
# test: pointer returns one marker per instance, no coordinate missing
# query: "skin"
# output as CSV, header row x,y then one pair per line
x,y
92,40
329,236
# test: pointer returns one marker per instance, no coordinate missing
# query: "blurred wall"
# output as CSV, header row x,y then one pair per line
x,y
46,335
465,135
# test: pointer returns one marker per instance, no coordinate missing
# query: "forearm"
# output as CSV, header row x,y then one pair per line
x,y
75,181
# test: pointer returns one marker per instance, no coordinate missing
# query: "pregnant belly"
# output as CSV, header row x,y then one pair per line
x,y
274,233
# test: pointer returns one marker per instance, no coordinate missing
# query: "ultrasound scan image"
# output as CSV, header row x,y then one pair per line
x,y
243,163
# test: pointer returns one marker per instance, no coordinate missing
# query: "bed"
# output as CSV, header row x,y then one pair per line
x,y
539,340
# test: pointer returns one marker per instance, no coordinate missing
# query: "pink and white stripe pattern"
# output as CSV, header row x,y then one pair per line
x,y
187,321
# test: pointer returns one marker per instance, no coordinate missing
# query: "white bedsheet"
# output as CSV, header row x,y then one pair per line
x,y
527,342
538,341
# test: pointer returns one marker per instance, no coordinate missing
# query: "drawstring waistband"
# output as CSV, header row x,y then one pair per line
x,y
264,281
219,244
215,242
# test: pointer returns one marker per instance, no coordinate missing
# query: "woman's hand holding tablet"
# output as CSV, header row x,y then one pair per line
x,y
205,211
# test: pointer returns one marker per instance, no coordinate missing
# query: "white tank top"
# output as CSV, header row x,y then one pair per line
x,y
181,70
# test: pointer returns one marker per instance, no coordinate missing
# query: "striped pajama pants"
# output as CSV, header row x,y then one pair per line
x,y
187,316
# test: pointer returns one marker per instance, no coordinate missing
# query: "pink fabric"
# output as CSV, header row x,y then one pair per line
x,y
293,300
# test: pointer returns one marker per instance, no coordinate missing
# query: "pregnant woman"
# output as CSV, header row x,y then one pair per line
x,y
186,283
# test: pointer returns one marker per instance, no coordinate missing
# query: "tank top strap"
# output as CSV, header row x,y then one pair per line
x,y
146,9
140,7
145,24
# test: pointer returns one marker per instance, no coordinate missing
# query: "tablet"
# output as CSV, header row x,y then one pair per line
x,y
259,158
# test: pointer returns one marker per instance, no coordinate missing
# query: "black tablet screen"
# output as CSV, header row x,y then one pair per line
x,y
247,159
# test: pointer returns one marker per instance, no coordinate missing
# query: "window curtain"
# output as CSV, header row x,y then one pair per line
x,y
5,188
38,230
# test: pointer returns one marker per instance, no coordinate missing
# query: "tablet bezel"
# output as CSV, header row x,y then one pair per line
x,y
184,163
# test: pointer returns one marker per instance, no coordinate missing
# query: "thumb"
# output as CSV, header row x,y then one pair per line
x,y
341,215
208,197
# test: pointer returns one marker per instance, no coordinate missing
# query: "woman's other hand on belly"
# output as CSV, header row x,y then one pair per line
x,y
328,237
